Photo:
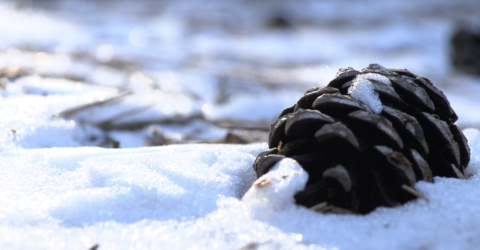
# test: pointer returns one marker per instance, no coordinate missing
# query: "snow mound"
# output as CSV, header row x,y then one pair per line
x,y
275,190
363,90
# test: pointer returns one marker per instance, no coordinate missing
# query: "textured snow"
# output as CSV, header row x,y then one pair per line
x,y
31,121
190,196
363,90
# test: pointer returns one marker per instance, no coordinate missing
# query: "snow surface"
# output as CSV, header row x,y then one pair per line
x,y
190,197
362,90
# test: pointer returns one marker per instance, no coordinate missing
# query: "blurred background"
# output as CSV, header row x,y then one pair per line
x,y
221,71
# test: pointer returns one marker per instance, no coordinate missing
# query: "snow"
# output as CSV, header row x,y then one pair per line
x,y
473,136
190,196
362,90
239,107
31,121
36,85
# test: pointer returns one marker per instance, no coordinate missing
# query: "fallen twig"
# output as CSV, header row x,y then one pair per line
x,y
72,111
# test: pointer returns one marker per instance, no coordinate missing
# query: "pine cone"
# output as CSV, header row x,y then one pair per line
x,y
366,138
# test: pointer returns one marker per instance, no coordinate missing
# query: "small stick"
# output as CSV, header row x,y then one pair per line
x,y
239,124
69,112
108,123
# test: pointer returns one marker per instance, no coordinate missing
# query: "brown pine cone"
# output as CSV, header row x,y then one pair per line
x,y
366,138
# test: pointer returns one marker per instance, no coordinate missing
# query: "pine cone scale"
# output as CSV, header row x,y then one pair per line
x,y
264,164
413,93
420,166
303,122
444,110
340,174
344,75
379,127
386,91
460,138
441,134
339,133
277,131
305,102
401,164
335,103
408,127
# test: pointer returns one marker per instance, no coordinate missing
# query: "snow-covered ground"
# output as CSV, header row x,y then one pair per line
x,y
77,76
194,196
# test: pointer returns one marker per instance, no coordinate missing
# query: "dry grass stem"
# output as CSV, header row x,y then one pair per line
x,y
72,111
414,192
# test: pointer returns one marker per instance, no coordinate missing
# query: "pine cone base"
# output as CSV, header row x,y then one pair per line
x,y
363,150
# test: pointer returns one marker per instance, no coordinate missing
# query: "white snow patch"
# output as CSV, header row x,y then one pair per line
x,y
473,136
275,190
362,90
30,121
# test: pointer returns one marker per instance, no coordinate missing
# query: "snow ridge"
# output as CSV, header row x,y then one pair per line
x,y
362,89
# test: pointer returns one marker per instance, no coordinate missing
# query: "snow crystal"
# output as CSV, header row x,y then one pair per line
x,y
363,90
